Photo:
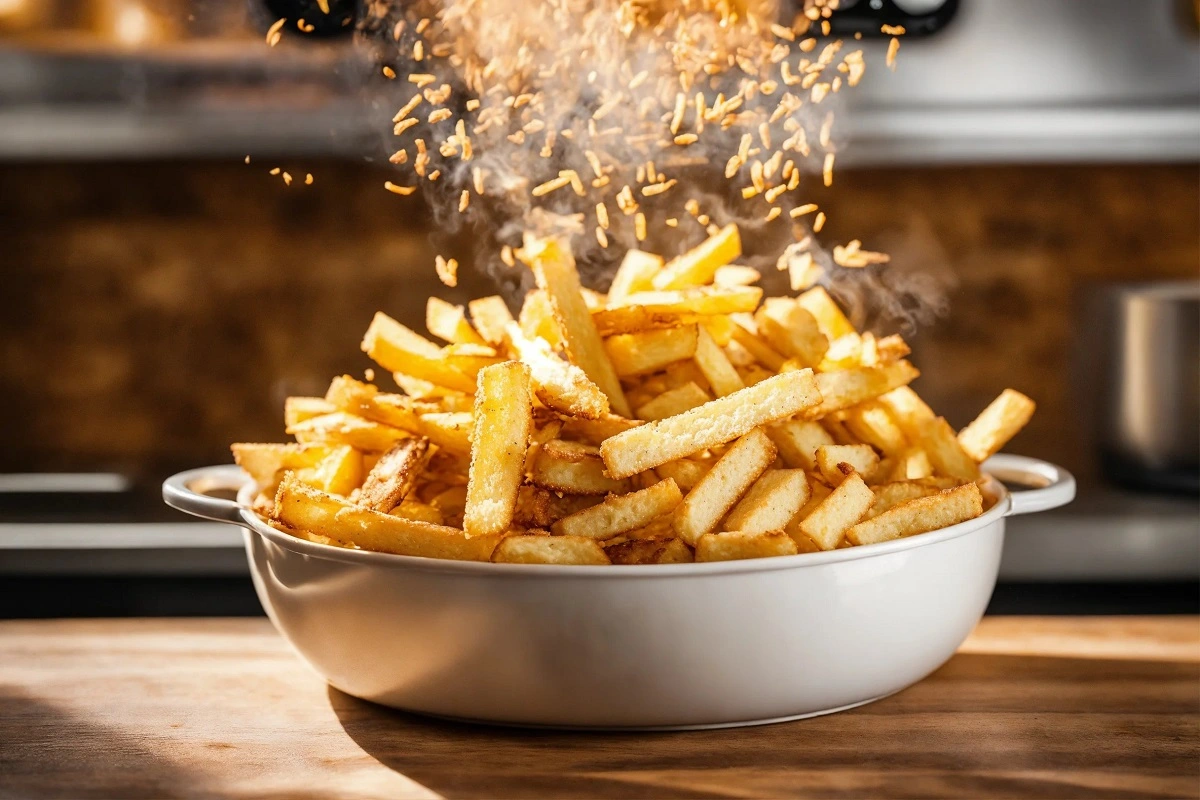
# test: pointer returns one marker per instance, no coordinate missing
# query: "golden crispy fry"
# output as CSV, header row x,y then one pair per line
x,y
996,424
835,461
717,492
798,440
394,475
845,505
449,430
573,468
892,494
736,275
791,330
845,352
298,409
449,323
307,509
559,384
673,401
469,358
760,350
503,422
920,515
491,316
650,351
737,545
685,472
771,503
595,431
366,401
698,265
851,387
554,269
911,465
650,551
931,433
563,550
636,274
714,365
832,321
418,511
541,508
621,513
265,462
424,391
872,423
714,423
342,428
536,319
399,349
339,473
650,310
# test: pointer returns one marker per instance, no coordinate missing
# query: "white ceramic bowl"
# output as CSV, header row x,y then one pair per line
x,y
665,646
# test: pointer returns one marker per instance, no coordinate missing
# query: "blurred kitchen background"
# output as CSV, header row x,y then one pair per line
x,y
160,297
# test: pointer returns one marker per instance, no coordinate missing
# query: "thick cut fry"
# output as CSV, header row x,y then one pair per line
x,y
450,430
621,513
714,365
445,399
470,358
650,351
562,550
760,350
717,492
897,492
845,352
399,349
933,434
558,383
845,505
536,319
830,319
872,423
491,317
684,471
791,330
595,431
650,551
342,428
449,323
541,508
366,401
714,423
573,468
307,509
911,465
738,545
636,274
771,503
339,473
835,461
416,510
503,422
736,275
673,401
996,424
554,269
851,387
650,310
394,475
920,515
298,409
798,440
698,265
265,462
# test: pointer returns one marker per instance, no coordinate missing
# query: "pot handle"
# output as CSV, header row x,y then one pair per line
x,y
188,492
1054,486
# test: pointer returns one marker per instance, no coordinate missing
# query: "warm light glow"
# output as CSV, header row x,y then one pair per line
x,y
133,24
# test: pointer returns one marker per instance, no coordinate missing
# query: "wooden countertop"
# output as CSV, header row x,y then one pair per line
x,y
1033,707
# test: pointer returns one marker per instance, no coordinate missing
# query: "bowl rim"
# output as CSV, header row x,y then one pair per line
x,y
255,524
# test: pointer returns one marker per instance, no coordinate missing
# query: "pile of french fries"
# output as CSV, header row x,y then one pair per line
x,y
677,418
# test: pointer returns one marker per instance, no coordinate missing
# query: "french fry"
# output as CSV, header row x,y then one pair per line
x,y
872,423
791,330
650,351
636,274
912,465
394,475
469,358
650,310
714,423
265,462
366,401
673,401
798,440
845,352
850,387
621,513
424,391
342,428
304,508
714,365
772,502
920,515
503,422
541,508
559,384
834,459
595,431
573,468
562,550
837,430
844,506
298,409
897,492
399,349
339,473
449,323
754,373
932,433
760,350
830,319
717,492
698,265
450,430
737,545
736,275
491,317
418,511
650,551
554,269
685,472
1000,421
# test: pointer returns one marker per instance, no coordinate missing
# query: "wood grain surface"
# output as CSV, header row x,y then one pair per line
x,y
1030,707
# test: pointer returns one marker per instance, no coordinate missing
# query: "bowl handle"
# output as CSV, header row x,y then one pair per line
x,y
1054,486
188,492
